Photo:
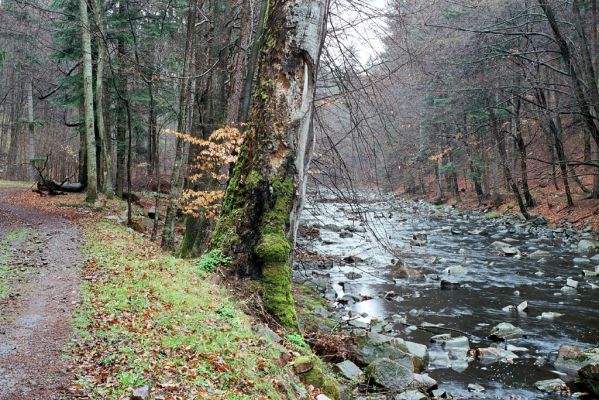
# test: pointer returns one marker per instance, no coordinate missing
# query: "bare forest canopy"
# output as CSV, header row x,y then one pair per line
x,y
443,99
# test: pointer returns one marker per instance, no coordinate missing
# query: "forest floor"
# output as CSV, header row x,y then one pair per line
x,y
550,204
92,309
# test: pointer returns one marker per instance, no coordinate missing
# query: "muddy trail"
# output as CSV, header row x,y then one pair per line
x,y
39,264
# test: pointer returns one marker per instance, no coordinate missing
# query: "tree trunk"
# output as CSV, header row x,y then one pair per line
x,y
88,105
258,223
501,149
32,175
105,147
183,126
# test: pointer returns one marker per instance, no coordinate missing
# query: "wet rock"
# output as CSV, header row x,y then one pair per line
x,y
523,307
489,355
349,370
540,221
440,394
568,290
595,258
442,338
141,393
457,343
449,284
439,359
411,395
570,359
572,283
475,387
589,377
552,385
550,315
345,235
539,254
353,275
587,245
589,274
349,298
505,248
374,346
504,331
390,374
581,260
455,270
420,353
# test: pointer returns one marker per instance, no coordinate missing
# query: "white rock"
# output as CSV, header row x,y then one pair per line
x,y
474,387
572,283
523,307
551,315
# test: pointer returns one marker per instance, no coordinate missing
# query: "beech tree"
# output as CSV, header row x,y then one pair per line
x,y
258,222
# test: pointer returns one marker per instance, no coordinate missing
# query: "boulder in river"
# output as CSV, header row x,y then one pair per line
x,y
455,270
390,374
504,331
587,245
550,315
571,359
539,254
505,248
374,346
589,377
552,386
449,284
489,355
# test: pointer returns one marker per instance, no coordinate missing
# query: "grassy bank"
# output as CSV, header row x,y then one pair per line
x,y
151,319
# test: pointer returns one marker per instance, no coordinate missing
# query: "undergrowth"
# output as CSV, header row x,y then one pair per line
x,y
151,319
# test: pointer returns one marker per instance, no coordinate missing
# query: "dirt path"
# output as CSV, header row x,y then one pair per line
x,y
35,317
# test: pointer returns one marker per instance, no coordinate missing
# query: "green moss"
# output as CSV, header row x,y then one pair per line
x,y
276,285
253,179
315,376
273,248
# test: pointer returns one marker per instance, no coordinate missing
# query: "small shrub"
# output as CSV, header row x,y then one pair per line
x,y
213,259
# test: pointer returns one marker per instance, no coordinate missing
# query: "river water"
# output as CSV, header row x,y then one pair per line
x,y
382,233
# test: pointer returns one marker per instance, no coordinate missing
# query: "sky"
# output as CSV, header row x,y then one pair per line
x,y
362,24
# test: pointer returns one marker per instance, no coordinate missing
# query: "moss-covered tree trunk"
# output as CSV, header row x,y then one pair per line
x,y
258,222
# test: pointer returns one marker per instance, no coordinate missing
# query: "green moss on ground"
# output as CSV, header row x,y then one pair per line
x,y
151,319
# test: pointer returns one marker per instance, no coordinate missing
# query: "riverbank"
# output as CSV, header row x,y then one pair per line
x,y
412,271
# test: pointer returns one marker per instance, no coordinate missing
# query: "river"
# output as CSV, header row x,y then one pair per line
x,y
382,231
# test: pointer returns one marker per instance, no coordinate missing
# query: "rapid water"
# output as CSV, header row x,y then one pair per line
x,y
491,282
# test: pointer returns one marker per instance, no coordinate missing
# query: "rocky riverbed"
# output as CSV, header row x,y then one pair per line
x,y
504,306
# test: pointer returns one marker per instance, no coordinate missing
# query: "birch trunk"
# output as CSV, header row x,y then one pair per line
x,y
258,223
